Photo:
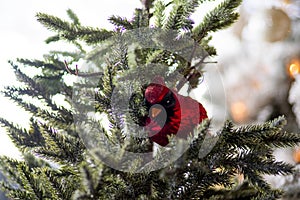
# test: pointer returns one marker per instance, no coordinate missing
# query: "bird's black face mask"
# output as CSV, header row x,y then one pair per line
x,y
163,110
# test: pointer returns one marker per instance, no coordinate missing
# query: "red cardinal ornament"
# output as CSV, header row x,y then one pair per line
x,y
170,113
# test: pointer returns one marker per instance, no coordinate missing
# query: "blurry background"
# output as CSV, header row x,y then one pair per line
x,y
258,57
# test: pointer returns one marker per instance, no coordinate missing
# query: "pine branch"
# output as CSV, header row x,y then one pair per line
x,y
209,49
72,32
36,181
179,15
41,91
41,64
121,22
159,13
22,138
60,117
65,181
140,19
73,17
53,38
29,181
60,147
248,149
8,166
219,18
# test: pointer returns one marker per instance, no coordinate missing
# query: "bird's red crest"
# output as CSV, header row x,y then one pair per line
x,y
156,90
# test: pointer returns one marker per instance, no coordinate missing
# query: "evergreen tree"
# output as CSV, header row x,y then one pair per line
x,y
60,158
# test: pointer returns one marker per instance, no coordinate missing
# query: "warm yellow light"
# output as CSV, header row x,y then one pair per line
x,y
296,155
294,67
239,111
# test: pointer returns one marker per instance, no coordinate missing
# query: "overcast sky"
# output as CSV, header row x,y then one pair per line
x,y
22,36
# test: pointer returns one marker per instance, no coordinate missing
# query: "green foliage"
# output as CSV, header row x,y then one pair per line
x,y
121,22
179,17
72,31
159,13
220,17
57,163
38,181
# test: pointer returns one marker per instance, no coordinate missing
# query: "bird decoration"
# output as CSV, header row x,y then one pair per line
x,y
170,113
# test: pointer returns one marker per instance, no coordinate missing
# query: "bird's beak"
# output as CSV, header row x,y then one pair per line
x,y
155,111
